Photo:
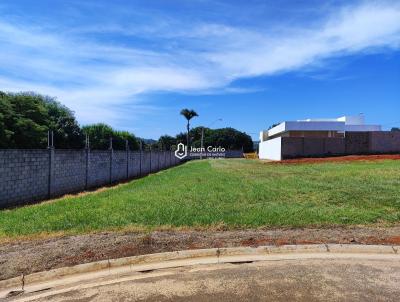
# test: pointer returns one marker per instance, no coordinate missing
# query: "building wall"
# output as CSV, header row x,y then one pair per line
x,y
335,146
357,142
362,128
353,143
271,149
384,142
294,147
312,134
31,175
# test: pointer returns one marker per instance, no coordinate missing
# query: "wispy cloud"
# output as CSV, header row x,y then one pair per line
x,y
363,28
95,75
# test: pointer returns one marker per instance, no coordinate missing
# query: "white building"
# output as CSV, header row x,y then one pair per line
x,y
270,140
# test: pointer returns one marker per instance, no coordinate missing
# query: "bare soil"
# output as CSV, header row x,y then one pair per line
x,y
339,159
29,256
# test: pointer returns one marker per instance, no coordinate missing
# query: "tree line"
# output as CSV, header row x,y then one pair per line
x,y
228,138
26,118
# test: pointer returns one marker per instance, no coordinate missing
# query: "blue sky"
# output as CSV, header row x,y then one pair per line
x,y
135,64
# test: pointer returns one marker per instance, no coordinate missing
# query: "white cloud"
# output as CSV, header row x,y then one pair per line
x,y
348,31
94,77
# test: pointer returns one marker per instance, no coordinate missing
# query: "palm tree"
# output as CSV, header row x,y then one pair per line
x,y
188,114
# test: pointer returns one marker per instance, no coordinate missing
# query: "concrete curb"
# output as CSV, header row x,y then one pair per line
x,y
215,255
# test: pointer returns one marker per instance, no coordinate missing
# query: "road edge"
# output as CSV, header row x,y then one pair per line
x,y
219,253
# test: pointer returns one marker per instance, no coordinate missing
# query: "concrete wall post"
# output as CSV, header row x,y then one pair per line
x,y
51,171
127,158
111,159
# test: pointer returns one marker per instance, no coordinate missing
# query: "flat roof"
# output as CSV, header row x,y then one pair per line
x,y
320,126
307,126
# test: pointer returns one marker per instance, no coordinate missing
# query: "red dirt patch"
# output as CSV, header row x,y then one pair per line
x,y
395,240
340,159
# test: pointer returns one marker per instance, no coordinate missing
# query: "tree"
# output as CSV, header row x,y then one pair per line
x,y
228,138
26,117
120,138
100,134
188,114
6,115
167,142
67,133
24,120
395,129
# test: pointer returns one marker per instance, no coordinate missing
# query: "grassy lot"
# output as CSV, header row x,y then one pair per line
x,y
235,193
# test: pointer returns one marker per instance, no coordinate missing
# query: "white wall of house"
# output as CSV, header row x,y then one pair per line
x,y
353,119
271,149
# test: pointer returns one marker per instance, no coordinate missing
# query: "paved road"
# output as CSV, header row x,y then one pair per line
x,y
350,279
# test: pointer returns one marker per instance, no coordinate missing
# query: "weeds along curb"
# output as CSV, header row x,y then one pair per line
x,y
202,256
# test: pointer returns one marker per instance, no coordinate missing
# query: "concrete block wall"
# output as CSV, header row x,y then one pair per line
x,y
169,161
119,166
313,146
353,143
335,146
24,176
292,147
32,175
163,160
146,163
357,142
134,164
154,163
295,147
99,168
384,142
69,172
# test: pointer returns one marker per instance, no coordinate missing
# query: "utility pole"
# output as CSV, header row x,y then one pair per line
x,y
202,135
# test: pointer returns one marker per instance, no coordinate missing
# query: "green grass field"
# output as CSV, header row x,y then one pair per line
x,y
235,193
